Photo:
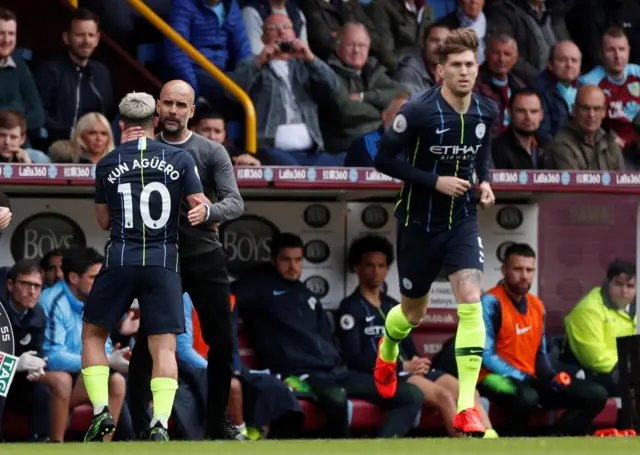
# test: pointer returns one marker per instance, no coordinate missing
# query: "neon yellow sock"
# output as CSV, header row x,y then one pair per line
x,y
396,329
164,392
491,434
470,338
96,381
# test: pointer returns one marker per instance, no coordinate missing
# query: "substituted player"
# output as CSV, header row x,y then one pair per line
x,y
445,132
139,188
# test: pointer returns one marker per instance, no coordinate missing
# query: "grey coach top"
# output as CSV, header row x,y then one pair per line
x,y
220,186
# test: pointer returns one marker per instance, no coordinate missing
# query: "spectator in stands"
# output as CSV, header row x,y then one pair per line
x,y
496,81
366,90
256,12
588,20
18,91
72,84
65,151
93,137
285,87
28,392
606,313
516,373
536,27
327,19
51,265
469,15
216,30
401,26
557,86
292,336
620,82
13,134
362,317
363,150
519,147
212,125
269,404
63,304
417,72
582,144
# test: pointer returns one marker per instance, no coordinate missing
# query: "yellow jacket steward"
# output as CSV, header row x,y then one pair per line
x,y
592,328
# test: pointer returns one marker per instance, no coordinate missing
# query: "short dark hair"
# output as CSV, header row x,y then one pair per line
x,y
285,240
206,113
23,267
458,41
523,92
614,32
7,15
44,262
519,249
83,14
429,28
369,244
618,267
12,119
78,260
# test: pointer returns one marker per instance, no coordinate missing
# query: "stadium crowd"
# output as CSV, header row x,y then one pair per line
x,y
326,78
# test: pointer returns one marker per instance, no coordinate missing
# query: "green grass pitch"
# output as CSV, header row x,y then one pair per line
x,y
417,446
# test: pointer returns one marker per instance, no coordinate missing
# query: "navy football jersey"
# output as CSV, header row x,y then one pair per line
x,y
144,182
438,141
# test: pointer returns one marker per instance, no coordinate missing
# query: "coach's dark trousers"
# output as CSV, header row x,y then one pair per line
x,y
582,399
205,279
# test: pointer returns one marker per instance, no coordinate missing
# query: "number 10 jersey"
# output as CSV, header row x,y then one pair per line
x,y
143,183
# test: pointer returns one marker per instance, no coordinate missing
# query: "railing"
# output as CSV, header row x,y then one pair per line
x,y
228,84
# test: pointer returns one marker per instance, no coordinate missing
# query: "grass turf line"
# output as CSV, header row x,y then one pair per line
x,y
440,446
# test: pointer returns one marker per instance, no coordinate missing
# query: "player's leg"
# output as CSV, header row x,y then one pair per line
x,y
418,265
463,262
116,385
60,384
109,299
162,314
439,397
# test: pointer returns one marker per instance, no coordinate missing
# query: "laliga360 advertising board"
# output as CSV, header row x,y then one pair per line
x,y
247,241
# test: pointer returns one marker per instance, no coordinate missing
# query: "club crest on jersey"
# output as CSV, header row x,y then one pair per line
x,y
481,129
399,124
634,89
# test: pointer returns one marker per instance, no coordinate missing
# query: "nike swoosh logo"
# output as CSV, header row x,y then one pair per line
x,y
439,131
523,330
369,318
277,292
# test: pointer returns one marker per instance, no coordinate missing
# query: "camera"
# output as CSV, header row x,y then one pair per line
x,y
286,47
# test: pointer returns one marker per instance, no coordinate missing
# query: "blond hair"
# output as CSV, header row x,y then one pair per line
x,y
458,41
137,108
85,123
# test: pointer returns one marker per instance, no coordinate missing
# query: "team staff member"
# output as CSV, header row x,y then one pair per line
x,y
516,372
202,260
28,391
292,336
361,319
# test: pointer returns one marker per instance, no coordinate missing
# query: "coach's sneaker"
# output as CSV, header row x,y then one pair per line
x,y
102,425
468,422
384,376
158,433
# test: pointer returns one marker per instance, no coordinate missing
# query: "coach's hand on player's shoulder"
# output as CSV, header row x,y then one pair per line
x,y
487,197
269,52
452,186
133,133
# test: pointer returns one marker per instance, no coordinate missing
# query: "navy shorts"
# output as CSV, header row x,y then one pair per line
x,y
423,255
159,294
